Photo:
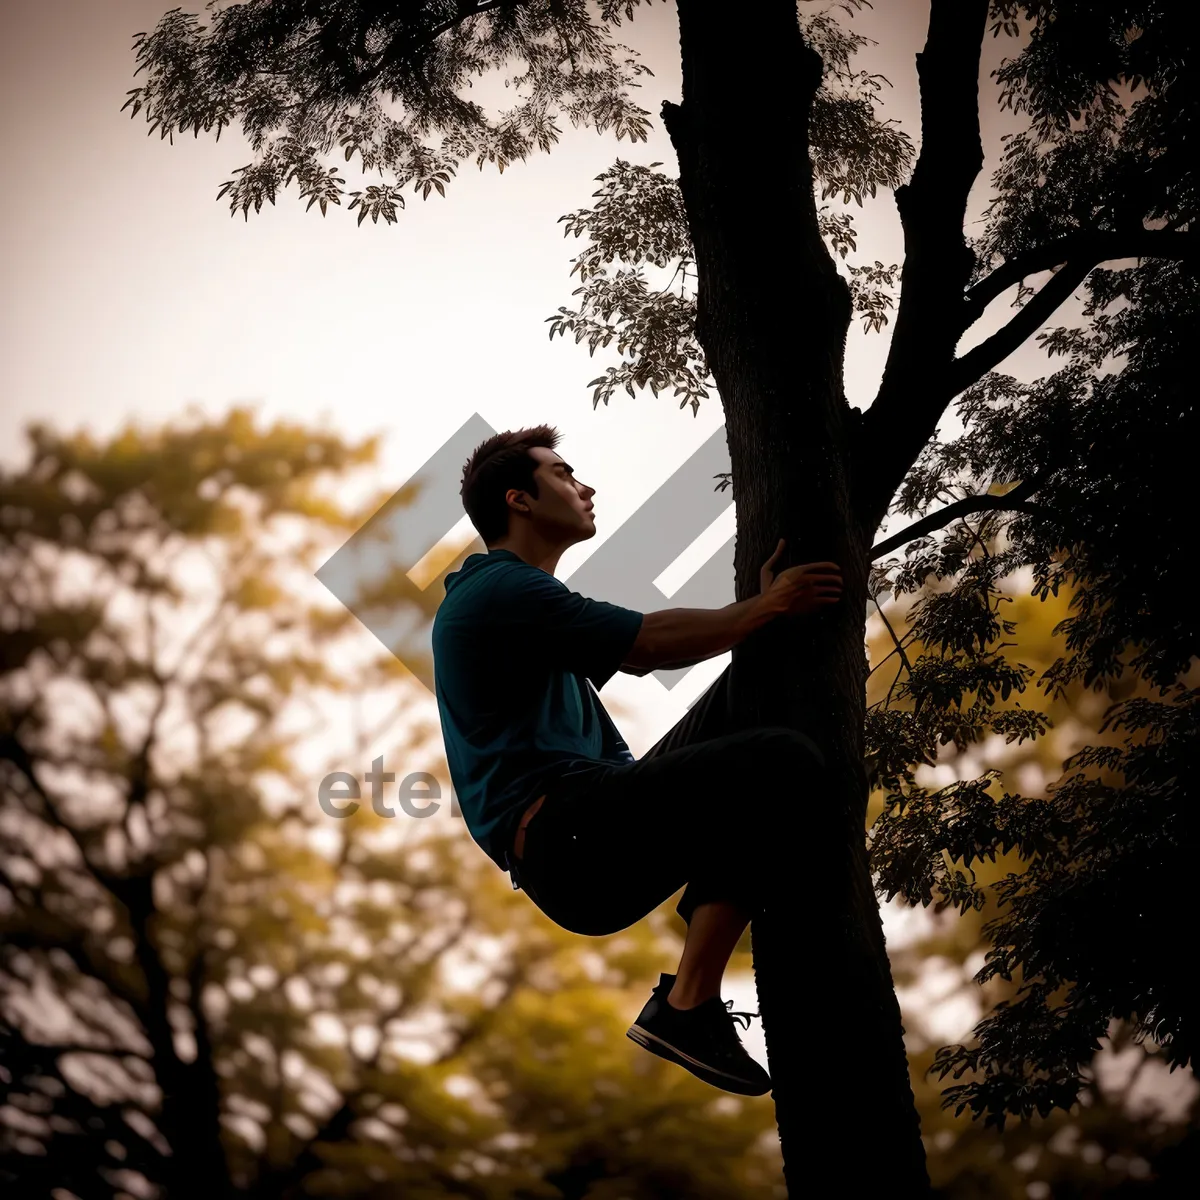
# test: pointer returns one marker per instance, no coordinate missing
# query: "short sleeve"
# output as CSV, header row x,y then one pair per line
x,y
589,637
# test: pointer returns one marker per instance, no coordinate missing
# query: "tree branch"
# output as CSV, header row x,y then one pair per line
x,y
908,637
400,46
57,1048
74,945
889,447
937,261
1081,247
976,363
895,640
1013,499
140,776
12,749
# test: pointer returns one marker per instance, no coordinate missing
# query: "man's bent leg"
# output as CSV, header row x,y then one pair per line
x,y
620,841
714,925
710,717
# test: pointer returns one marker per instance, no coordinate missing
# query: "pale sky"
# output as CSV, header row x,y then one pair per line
x,y
132,292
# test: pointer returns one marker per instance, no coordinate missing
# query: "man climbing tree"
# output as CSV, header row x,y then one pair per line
x,y
546,783
770,108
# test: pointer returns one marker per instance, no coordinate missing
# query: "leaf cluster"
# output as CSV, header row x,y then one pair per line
x,y
383,80
639,221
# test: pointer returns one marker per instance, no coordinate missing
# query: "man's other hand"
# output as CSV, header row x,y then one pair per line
x,y
803,589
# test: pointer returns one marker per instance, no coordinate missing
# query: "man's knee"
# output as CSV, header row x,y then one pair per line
x,y
790,747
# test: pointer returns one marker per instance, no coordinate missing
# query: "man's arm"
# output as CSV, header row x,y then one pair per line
x,y
670,666
678,637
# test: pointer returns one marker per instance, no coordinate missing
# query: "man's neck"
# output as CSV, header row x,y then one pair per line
x,y
533,550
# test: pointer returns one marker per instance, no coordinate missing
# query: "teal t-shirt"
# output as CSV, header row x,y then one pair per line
x,y
518,659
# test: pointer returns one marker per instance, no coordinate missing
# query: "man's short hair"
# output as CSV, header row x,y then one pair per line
x,y
496,465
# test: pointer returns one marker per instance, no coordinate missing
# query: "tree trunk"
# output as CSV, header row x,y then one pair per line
x,y
772,319
190,1116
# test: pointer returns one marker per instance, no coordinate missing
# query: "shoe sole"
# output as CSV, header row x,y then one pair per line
x,y
711,1075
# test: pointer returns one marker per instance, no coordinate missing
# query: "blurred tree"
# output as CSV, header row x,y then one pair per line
x,y
771,107
149,645
205,982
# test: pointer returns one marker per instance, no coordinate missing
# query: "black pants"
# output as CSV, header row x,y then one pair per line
x,y
611,843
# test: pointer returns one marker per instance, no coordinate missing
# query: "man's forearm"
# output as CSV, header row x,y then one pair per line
x,y
677,637
666,666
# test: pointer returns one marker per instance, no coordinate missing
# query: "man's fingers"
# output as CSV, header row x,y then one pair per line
x,y
821,567
807,573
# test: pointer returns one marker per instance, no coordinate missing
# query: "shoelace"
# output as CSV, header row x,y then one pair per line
x,y
740,1015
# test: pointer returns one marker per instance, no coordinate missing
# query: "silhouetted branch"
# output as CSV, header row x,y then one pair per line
x,y
937,261
976,363
1080,248
404,45
895,640
899,646
1013,499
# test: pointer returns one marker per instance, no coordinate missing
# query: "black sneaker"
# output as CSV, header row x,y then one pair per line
x,y
703,1040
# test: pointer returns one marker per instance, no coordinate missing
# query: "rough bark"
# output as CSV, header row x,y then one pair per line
x,y
772,319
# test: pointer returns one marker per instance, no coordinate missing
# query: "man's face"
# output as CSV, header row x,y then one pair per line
x,y
563,504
